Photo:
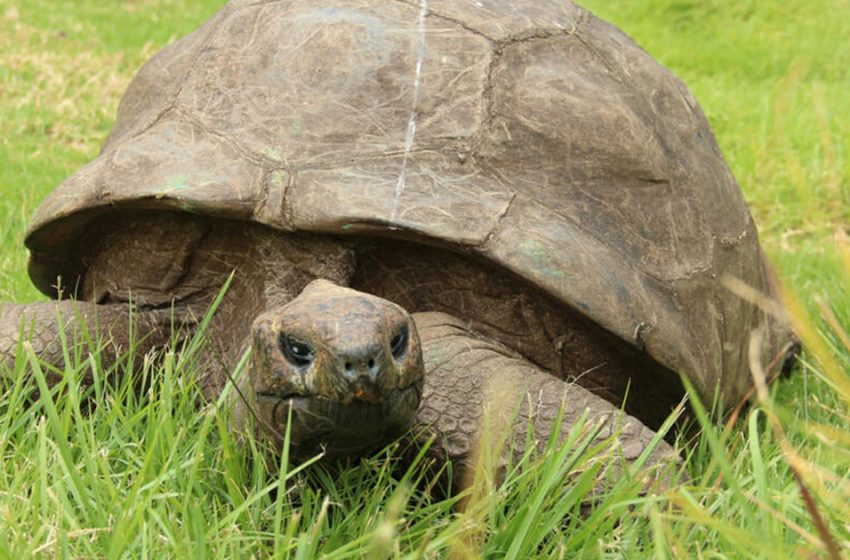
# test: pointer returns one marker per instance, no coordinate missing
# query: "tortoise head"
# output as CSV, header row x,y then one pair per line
x,y
343,367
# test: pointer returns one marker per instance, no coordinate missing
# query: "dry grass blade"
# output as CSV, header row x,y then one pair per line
x,y
751,295
833,323
774,370
810,538
817,346
794,461
71,535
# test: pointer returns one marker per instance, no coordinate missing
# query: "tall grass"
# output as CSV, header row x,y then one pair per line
x,y
150,473
133,467
146,472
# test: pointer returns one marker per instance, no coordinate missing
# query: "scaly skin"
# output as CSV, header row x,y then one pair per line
x,y
468,376
107,326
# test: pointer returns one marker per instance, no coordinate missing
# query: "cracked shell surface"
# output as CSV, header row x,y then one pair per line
x,y
542,139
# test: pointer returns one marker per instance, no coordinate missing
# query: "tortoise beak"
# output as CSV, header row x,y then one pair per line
x,y
319,424
367,392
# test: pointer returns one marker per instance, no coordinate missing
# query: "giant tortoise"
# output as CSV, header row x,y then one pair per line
x,y
432,209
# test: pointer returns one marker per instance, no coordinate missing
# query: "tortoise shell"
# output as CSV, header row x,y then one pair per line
x,y
538,137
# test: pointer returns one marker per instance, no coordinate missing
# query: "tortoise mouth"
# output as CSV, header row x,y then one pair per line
x,y
318,424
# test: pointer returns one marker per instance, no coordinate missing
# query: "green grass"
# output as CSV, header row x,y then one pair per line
x,y
149,474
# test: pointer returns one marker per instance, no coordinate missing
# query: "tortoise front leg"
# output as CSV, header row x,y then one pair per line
x,y
466,375
109,325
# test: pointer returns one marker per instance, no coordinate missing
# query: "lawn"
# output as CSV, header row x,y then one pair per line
x,y
155,476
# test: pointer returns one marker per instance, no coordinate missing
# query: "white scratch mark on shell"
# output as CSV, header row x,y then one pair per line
x,y
411,122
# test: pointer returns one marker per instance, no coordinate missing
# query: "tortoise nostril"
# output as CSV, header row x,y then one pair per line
x,y
361,365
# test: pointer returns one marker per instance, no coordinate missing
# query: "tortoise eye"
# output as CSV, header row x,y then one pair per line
x,y
296,351
398,343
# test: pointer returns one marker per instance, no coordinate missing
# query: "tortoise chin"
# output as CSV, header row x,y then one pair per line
x,y
319,424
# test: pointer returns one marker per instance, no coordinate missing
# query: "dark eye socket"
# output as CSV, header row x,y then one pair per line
x,y
398,343
296,351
